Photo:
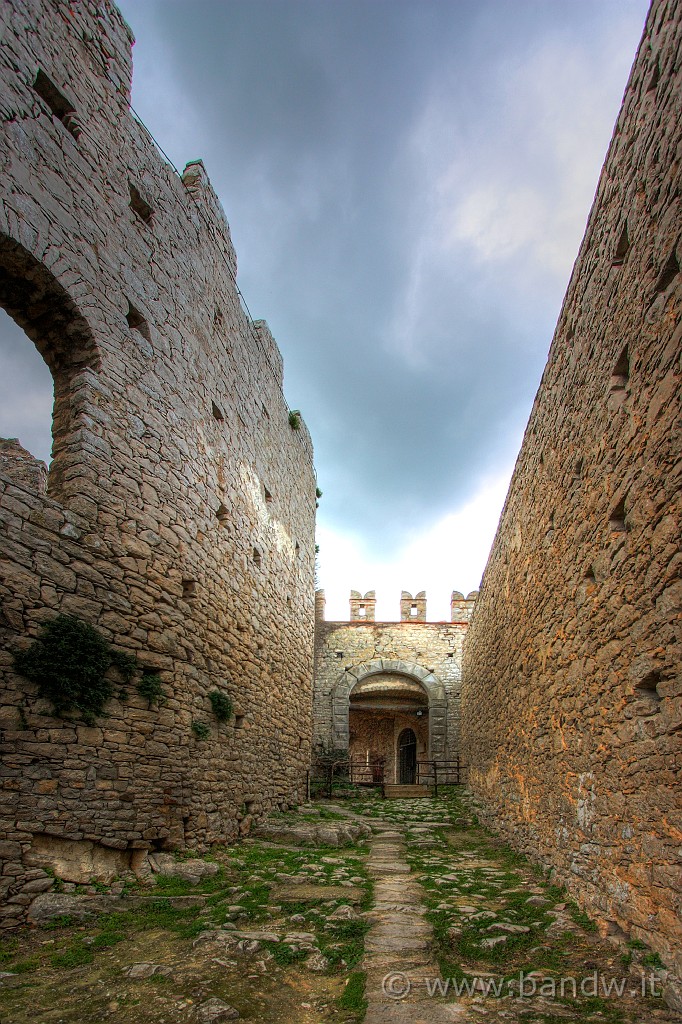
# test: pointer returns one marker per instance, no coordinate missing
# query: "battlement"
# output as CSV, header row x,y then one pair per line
x,y
412,609
363,607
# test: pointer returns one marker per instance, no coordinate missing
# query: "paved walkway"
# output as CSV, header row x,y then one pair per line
x,y
398,946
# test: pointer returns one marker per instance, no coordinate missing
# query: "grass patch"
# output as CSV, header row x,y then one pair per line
x,y
8,948
344,943
73,956
284,955
32,963
353,995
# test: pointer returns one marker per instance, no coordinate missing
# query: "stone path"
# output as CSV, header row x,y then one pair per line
x,y
514,948
398,957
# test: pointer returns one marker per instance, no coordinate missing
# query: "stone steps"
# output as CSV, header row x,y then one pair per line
x,y
402,792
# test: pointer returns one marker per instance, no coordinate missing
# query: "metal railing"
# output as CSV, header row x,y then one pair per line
x,y
338,778
440,773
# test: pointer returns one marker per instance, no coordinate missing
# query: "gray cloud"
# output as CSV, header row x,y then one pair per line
x,y
406,184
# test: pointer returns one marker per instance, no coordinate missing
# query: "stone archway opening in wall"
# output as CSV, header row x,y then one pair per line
x,y
43,309
373,705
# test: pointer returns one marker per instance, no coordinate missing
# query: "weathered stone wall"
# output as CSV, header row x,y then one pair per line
x,y
429,652
179,517
572,693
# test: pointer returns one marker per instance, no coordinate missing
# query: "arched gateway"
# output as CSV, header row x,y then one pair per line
x,y
374,704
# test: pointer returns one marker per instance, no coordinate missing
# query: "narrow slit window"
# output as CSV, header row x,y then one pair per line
x,y
59,106
648,687
617,518
139,206
189,589
622,247
621,371
217,412
222,516
257,558
655,77
268,496
136,322
239,721
413,610
669,273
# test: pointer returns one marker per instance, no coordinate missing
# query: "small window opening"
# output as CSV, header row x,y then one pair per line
x,y
136,322
222,516
617,518
217,412
298,548
189,589
622,247
339,654
59,106
578,469
257,557
668,274
450,654
648,686
239,721
139,206
655,77
621,371
288,602
249,806
589,575
362,611
413,609
268,496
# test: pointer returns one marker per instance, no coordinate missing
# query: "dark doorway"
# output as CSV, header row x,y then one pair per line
x,y
407,758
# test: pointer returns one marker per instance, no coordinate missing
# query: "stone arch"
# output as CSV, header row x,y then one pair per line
x,y
42,307
435,691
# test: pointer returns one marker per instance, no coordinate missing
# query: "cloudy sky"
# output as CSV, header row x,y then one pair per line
x,y
407,183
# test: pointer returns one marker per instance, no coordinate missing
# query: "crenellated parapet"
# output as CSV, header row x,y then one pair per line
x,y
461,607
363,608
413,609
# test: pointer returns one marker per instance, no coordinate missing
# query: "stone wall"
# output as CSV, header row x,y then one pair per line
x,y
180,505
572,693
429,653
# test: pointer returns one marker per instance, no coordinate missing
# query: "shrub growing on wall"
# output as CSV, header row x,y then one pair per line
x,y
221,704
69,662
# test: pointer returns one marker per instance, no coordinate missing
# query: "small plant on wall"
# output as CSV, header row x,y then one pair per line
x,y
151,688
295,419
69,662
221,704
200,730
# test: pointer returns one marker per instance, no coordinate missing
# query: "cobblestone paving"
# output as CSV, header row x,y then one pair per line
x,y
465,929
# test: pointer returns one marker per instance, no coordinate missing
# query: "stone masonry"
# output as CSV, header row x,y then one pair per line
x,y
417,662
180,504
572,692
